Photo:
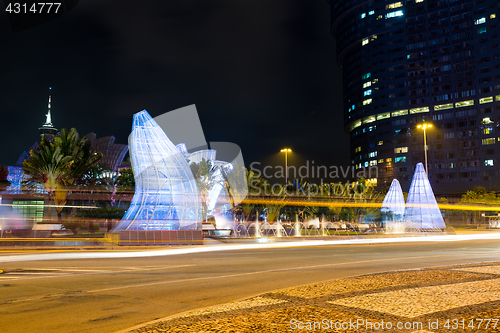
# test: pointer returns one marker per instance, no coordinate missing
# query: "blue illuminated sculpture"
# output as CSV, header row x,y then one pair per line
x,y
166,196
422,211
394,201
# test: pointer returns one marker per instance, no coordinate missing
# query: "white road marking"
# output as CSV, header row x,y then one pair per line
x,y
36,275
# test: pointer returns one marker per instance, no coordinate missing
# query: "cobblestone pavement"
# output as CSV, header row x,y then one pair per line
x,y
463,298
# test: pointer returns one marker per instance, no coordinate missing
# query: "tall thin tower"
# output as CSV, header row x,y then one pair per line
x,y
48,128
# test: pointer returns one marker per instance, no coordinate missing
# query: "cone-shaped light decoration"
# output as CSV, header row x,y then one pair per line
x,y
394,201
422,211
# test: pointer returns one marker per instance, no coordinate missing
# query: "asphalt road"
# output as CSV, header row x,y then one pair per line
x,y
107,295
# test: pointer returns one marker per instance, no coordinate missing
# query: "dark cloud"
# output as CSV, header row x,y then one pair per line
x,y
261,73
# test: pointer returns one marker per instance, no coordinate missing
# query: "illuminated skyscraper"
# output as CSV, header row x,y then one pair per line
x,y
409,61
47,128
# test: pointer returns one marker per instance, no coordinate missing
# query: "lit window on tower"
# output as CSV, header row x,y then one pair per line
x,y
480,21
485,100
394,5
464,103
400,159
489,141
394,14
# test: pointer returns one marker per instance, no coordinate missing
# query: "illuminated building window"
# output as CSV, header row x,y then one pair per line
x,y
371,12
443,106
488,130
394,5
356,124
464,103
400,159
383,116
488,141
388,159
488,163
480,21
399,113
358,149
365,41
497,98
418,1
492,16
401,150
481,30
380,143
369,120
373,154
485,100
375,81
367,101
381,160
394,14
486,121
367,84
419,110
366,164
363,15
31,210
365,76
373,162
367,92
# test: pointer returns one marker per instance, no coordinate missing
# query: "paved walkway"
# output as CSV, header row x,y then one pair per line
x,y
462,298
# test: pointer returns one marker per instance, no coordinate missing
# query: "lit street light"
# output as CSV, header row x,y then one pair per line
x,y
286,151
424,126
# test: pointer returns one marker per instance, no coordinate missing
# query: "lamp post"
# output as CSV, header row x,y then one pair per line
x,y
425,126
286,151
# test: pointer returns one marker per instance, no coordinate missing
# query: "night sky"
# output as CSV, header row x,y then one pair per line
x,y
261,73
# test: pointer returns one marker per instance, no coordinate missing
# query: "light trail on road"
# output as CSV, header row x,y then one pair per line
x,y
215,248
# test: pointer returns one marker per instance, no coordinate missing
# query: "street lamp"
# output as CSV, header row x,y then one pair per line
x,y
286,151
425,126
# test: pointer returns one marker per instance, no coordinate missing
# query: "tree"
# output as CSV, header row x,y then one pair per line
x,y
58,162
205,175
126,178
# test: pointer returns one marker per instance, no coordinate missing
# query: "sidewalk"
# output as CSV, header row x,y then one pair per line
x,y
439,299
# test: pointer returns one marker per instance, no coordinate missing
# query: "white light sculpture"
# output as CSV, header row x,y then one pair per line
x,y
422,211
394,201
166,196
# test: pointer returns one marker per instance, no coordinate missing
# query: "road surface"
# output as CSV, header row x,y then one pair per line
x,y
107,295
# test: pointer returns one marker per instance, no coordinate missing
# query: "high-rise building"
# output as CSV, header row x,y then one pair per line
x,y
48,128
409,61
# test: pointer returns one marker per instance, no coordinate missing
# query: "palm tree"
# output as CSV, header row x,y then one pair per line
x,y
205,175
58,162
48,167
